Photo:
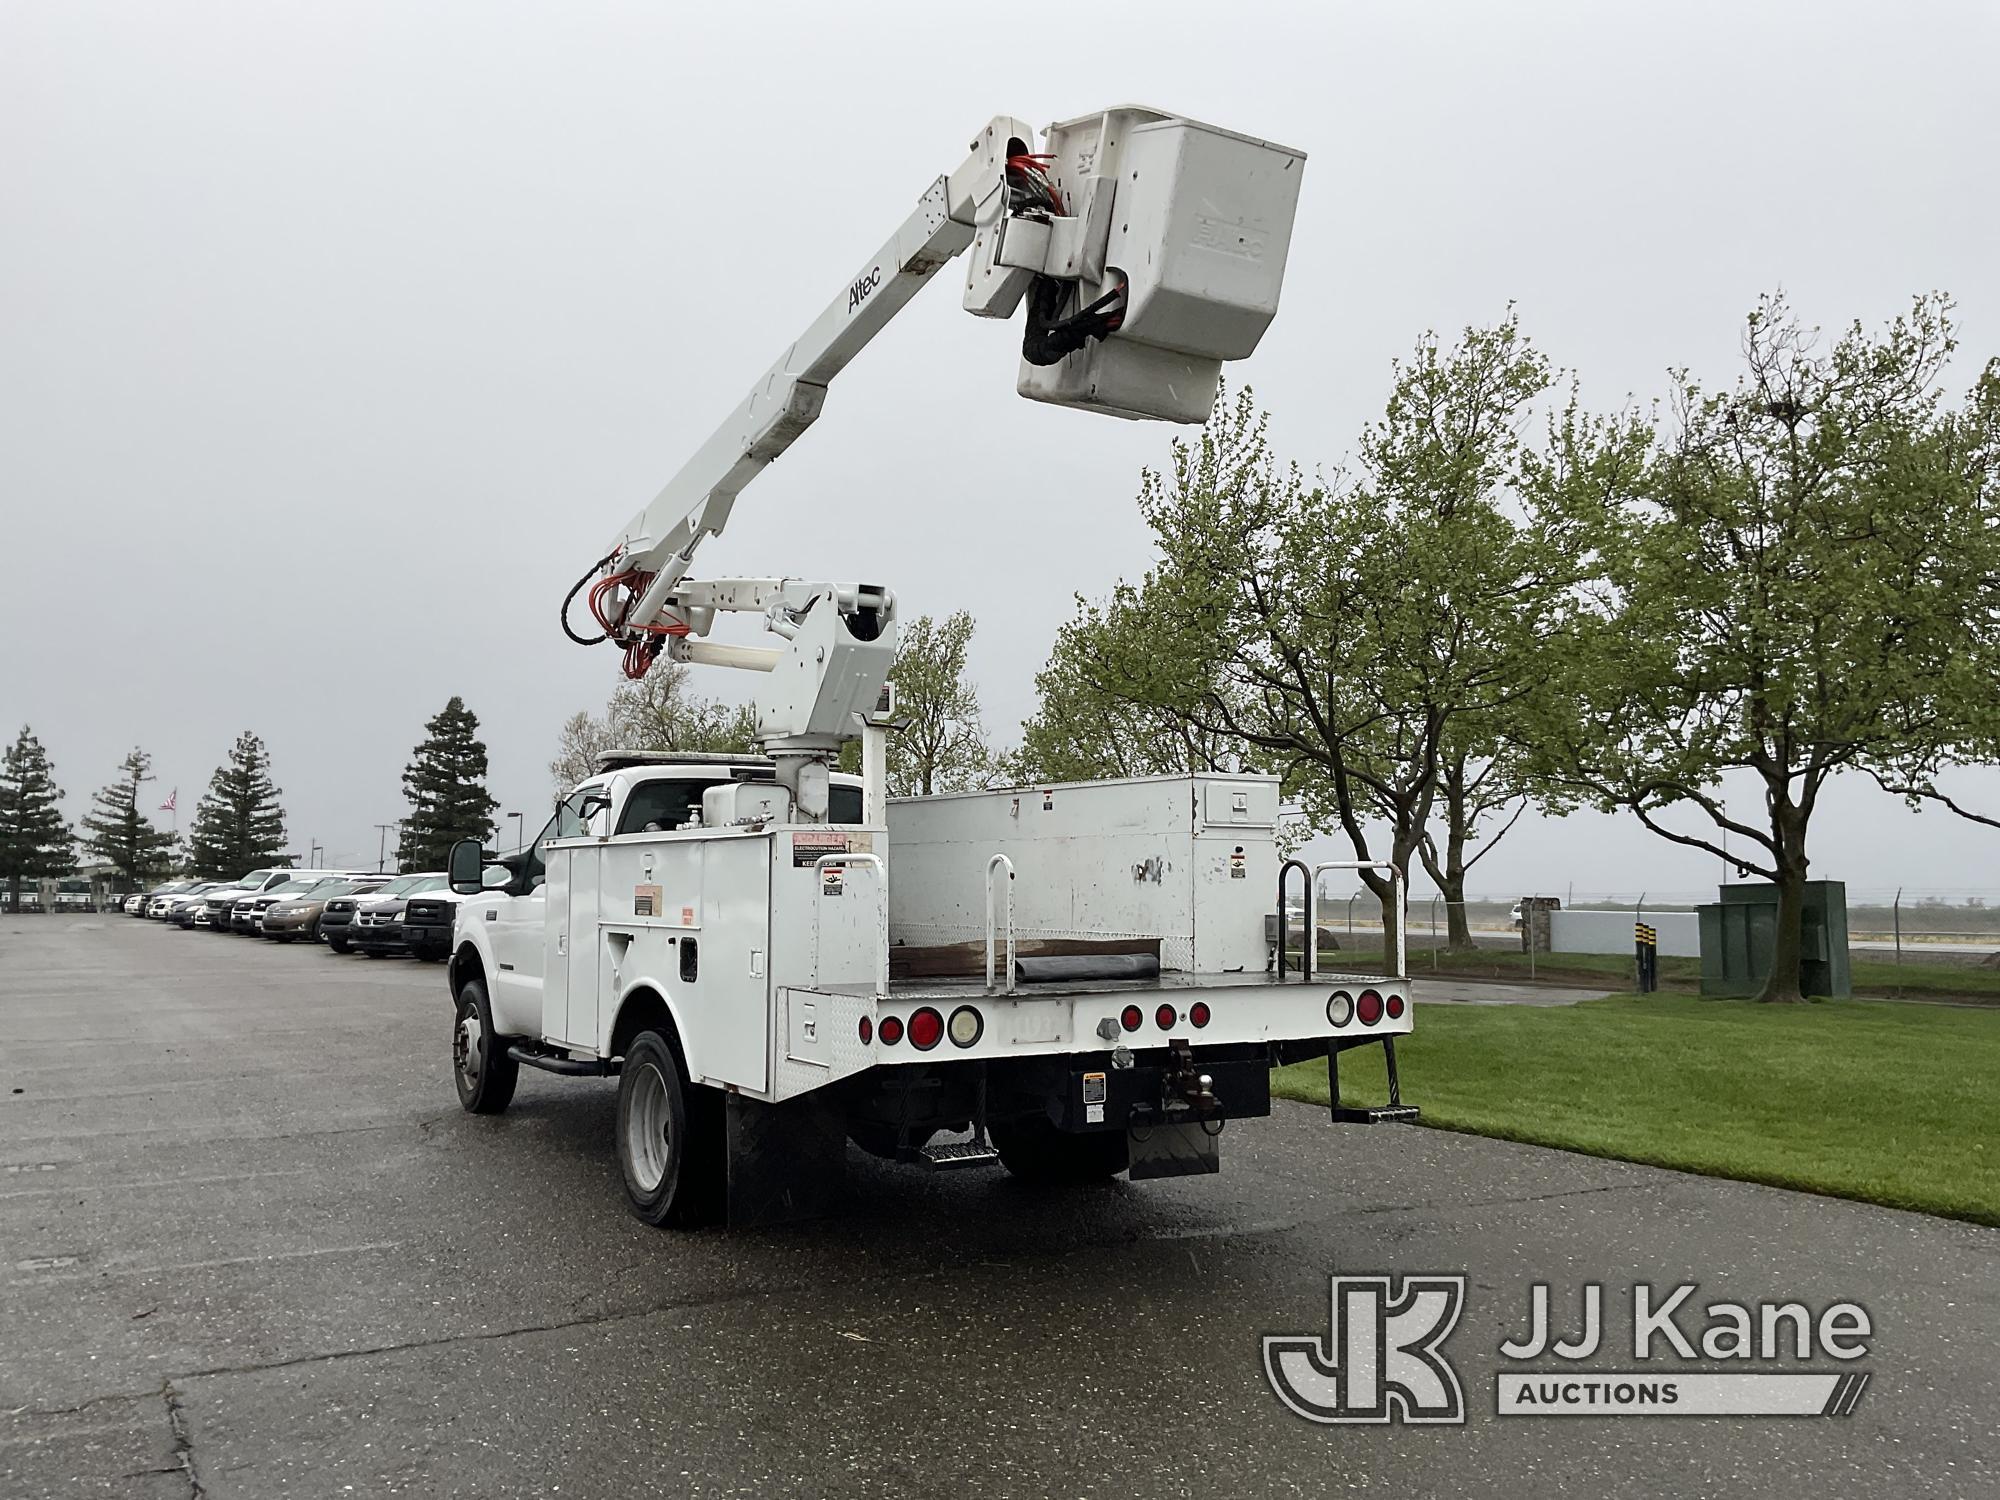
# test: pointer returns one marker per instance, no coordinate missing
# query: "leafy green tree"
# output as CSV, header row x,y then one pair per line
x,y
1787,588
1343,633
119,834
35,841
942,746
660,711
238,824
446,785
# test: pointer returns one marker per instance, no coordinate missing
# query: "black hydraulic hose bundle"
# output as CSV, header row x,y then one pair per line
x,y
570,598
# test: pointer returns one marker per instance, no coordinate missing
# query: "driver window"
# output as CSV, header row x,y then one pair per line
x,y
564,825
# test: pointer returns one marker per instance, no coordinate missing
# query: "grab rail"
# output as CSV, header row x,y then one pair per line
x,y
834,861
1396,889
991,865
1284,923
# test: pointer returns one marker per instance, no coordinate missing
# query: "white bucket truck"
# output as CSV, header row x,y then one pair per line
x,y
770,957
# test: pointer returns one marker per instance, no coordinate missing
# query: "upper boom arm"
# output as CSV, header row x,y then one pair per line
x,y
696,502
1148,248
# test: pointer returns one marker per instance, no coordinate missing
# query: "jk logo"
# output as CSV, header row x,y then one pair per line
x,y
1381,1360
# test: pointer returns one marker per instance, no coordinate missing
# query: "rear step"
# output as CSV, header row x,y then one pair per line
x,y
1378,1114
954,1154
1395,1112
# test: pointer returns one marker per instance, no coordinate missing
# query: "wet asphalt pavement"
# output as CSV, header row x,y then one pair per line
x,y
249,1246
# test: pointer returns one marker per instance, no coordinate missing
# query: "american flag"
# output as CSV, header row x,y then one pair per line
x,y
172,797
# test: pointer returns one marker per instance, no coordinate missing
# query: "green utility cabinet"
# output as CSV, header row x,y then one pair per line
x,y
1739,934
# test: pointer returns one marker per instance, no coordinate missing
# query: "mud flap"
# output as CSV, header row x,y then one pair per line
x,y
787,1161
1172,1151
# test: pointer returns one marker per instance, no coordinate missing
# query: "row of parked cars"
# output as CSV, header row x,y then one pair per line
x,y
348,910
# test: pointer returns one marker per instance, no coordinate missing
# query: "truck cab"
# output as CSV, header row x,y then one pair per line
x,y
636,798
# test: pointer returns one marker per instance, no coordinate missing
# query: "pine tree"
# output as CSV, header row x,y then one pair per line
x,y
35,842
238,824
446,785
117,832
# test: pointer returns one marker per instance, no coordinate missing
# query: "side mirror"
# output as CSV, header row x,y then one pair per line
x,y
465,868
495,878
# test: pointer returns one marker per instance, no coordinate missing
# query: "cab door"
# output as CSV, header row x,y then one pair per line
x,y
524,941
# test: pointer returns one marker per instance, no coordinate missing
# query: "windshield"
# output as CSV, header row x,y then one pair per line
x,y
255,878
290,888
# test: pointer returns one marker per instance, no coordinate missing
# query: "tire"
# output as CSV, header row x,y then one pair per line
x,y
337,944
669,1138
484,1073
1035,1151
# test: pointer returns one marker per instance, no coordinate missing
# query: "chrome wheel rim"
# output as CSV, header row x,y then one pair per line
x,y
647,1125
465,1048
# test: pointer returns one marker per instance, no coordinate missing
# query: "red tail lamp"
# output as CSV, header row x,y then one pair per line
x,y
868,1031
1396,1007
1369,1007
926,1029
1198,1013
1131,1018
891,1031
1165,1017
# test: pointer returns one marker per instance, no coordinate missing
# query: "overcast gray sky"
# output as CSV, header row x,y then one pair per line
x,y
336,340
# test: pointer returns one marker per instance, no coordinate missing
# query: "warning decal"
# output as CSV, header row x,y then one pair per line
x,y
809,845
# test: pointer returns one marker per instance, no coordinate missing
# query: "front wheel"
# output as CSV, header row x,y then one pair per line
x,y
480,1066
669,1148
338,945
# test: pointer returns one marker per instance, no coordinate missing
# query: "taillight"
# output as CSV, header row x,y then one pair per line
x,y
891,1031
1131,1018
1339,1008
867,1031
966,1026
1369,1007
1198,1013
926,1029
1396,1007
1165,1017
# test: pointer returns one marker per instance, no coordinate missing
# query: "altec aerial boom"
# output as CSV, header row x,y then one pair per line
x,y
1148,250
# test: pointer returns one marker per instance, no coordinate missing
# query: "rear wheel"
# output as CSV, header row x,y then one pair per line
x,y
669,1141
1035,1151
480,1066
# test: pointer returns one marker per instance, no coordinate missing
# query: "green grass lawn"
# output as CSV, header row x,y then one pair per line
x,y
1893,1104
1963,982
